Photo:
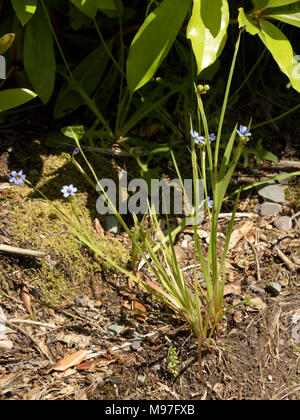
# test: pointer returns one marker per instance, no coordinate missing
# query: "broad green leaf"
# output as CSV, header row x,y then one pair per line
x,y
282,51
259,4
6,42
11,98
154,40
89,73
107,5
39,58
246,20
24,9
291,19
207,29
88,7
279,3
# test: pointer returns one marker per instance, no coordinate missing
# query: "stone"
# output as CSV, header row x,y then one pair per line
x,y
135,345
268,209
112,224
82,301
116,380
185,244
115,329
188,237
284,181
283,223
272,193
142,378
273,288
180,254
264,178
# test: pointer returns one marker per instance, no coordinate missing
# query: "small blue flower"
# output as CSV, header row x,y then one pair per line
x,y
69,190
76,151
17,178
243,131
198,139
210,202
212,137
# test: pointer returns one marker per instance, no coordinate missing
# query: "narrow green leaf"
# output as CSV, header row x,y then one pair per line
x,y
39,57
246,20
11,98
207,30
154,40
282,51
6,42
290,19
24,9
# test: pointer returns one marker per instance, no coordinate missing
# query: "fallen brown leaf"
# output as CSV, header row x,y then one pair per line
x,y
26,299
233,288
70,361
238,234
141,315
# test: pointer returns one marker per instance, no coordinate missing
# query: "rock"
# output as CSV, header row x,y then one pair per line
x,y
116,380
82,301
112,224
283,223
135,345
273,288
185,244
180,254
188,237
272,193
264,178
284,181
268,209
142,378
115,329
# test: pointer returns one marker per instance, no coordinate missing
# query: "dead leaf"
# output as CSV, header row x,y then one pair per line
x,y
99,229
91,365
238,234
26,299
258,304
70,361
137,306
233,288
238,316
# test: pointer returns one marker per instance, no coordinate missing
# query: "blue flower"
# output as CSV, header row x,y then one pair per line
x,y
69,190
200,139
76,151
17,178
210,202
212,137
243,131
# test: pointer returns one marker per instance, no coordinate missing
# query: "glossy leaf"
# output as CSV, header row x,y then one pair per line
x,y
39,58
282,51
290,15
6,42
24,9
11,98
246,20
207,29
154,40
278,3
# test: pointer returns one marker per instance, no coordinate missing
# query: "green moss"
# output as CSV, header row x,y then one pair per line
x,y
35,224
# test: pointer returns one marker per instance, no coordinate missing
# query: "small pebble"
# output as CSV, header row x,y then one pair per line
x,y
112,224
142,379
268,209
284,181
283,223
270,378
115,329
273,288
116,380
185,243
82,301
135,345
272,193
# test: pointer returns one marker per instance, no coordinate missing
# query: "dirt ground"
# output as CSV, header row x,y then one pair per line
x,y
71,303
